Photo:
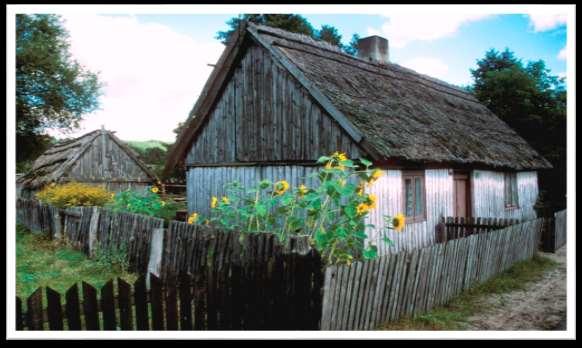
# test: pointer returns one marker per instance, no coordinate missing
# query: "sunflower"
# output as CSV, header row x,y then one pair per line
x,y
281,187
155,189
302,190
193,218
213,202
372,200
376,174
362,208
225,200
340,156
399,222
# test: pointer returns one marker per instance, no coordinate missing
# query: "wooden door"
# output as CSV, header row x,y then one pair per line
x,y
462,195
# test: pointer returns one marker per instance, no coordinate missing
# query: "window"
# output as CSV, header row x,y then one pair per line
x,y
510,190
414,196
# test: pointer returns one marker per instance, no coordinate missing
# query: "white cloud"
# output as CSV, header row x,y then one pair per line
x,y
563,53
402,28
153,74
432,67
543,20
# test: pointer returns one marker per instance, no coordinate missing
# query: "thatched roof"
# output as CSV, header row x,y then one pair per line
x,y
391,111
56,162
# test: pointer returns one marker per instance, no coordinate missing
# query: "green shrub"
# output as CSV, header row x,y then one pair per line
x,y
144,202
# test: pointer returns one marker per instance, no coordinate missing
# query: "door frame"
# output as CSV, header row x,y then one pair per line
x,y
463,174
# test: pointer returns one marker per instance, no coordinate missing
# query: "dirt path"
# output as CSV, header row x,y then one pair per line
x,y
540,306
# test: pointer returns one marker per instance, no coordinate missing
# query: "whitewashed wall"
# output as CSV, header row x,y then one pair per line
x,y
488,201
488,191
439,202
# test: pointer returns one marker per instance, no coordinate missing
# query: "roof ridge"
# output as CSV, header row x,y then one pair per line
x,y
324,45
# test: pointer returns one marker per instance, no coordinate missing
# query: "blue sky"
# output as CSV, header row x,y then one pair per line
x,y
459,51
154,66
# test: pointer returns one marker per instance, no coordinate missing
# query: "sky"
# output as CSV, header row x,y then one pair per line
x,y
154,66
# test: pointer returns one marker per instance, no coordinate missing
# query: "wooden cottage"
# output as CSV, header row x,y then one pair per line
x,y
98,157
276,101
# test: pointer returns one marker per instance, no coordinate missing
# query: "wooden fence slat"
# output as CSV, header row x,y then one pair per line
x,y
156,302
370,292
73,308
90,307
140,296
124,304
108,306
54,309
185,296
171,304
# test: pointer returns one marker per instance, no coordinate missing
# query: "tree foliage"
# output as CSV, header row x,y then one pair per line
x,y
293,23
330,34
290,22
52,89
532,102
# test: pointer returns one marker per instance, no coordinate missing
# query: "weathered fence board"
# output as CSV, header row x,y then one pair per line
x,y
368,293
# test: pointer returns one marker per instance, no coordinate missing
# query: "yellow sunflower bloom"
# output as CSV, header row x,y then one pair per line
x,y
281,187
360,190
155,189
372,199
213,202
225,200
399,222
302,190
193,218
376,174
362,208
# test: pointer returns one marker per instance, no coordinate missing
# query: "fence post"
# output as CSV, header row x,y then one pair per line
x,y
155,259
58,228
93,231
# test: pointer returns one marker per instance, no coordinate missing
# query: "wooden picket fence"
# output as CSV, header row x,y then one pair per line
x,y
284,284
283,293
459,227
560,229
366,294
181,248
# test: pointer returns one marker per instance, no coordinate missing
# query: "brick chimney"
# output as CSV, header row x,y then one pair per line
x,y
373,48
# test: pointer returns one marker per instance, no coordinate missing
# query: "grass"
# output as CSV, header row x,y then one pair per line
x,y
43,262
454,315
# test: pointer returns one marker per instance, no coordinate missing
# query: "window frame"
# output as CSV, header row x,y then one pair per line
x,y
412,175
510,201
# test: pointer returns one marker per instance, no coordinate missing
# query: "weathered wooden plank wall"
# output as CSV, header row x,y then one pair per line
x,y
106,161
205,182
412,282
560,229
388,189
283,124
488,195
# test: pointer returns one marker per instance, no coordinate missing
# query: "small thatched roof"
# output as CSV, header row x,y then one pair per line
x,y
56,162
391,111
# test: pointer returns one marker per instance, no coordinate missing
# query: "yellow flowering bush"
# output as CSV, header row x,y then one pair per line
x,y
74,194
333,213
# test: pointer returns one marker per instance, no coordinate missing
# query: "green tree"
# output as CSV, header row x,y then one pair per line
x,y
52,89
352,47
290,22
532,102
330,34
